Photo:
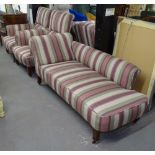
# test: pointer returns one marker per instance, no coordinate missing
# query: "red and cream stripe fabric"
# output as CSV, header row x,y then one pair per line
x,y
38,26
23,55
43,15
84,32
115,69
11,29
101,102
9,42
23,37
60,21
52,48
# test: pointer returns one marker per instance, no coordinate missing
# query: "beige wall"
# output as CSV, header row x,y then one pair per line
x,y
135,42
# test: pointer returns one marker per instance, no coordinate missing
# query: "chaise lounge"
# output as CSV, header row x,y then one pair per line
x,y
95,84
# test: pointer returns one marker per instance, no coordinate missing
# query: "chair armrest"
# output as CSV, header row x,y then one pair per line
x,y
11,29
22,37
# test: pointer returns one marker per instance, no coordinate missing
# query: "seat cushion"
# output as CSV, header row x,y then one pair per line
x,y
101,102
9,42
23,55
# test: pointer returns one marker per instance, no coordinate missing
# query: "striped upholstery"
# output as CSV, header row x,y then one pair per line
x,y
42,22
11,29
22,37
84,32
52,48
23,55
9,42
101,102
38,26
37,67
60,21
115,69
43,15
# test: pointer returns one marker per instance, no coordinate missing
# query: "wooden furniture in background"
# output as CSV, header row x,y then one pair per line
x,y
15,18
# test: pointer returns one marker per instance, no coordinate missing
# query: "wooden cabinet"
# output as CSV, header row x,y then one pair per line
x,y
15,18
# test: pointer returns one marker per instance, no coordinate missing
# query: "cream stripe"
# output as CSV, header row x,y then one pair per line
x,y
116,121
99,61
77,51
118,72
111,66
126,115
65,23
93,120
91,61
142,109
38,43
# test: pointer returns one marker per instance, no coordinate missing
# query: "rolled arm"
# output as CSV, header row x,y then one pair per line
x,y
12,29
22,37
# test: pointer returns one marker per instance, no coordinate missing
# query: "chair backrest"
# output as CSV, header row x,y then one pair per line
x,y
84,32
12,29
43,15
60,21
52,48
115,69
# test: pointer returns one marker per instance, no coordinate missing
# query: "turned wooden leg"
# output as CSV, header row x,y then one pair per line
x,y
7,51
38,80
30,71
14,59
136,120
96,136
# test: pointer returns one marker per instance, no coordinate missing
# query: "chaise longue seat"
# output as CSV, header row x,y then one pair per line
x,y
95,84
100,101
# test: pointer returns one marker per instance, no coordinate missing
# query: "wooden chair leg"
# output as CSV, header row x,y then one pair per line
x,y
30,71
7,51
136,120
38,80
96,136
14,59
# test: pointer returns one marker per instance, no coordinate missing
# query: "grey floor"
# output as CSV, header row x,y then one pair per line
x,y
37,119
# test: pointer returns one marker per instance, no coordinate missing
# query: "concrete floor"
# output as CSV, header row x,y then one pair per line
x,y
37,119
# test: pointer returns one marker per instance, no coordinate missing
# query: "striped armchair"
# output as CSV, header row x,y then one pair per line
x,y
42,22
84,32
58,22
95,84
